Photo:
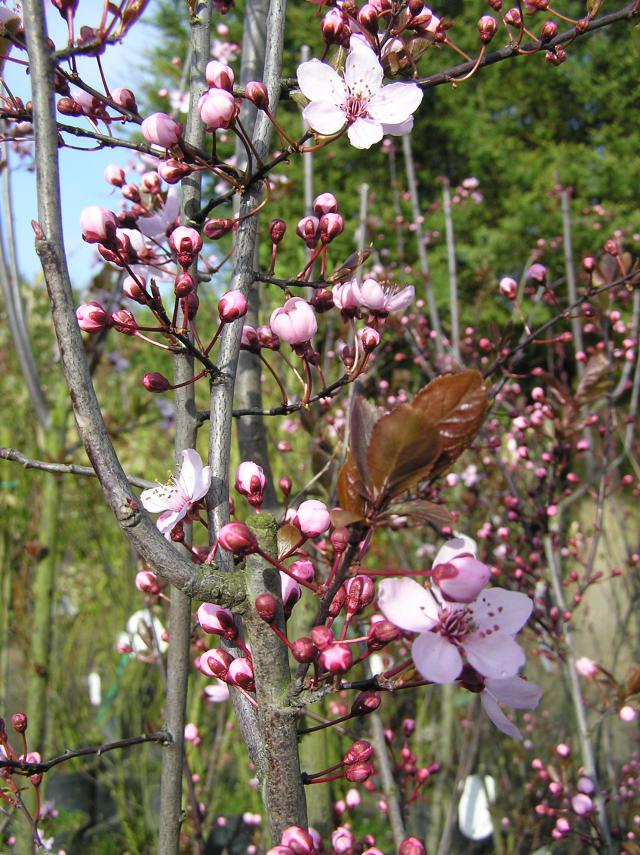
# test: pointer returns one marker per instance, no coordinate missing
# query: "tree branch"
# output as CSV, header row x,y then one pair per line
x,y
204,582
63,468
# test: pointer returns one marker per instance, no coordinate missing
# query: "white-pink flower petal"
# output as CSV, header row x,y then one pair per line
x,y
436,658
320,82
395,102
496,656
324,117
498,610
490,706
364,133
407,605
458,545
515,692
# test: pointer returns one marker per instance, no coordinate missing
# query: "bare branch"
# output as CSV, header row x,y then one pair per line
x,y
63,468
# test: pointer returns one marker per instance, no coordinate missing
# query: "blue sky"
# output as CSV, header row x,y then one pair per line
x,y
82,180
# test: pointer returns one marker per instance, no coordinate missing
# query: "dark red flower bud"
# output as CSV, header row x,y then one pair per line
x,y
513,17
330,226
360,752
131,192
156,382
360,592
304,650
193,304
236,537
381,633
365,703
19,722
487,28
322,300
340,540
549,31
267,607
124,322
215,229
322,637
184,285
217,661
611,248
338,602
277,229
69,107
359,772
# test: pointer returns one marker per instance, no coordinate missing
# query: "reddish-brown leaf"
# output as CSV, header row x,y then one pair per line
x,y
421,511
340,518
403,448
363,417
455,405
351,490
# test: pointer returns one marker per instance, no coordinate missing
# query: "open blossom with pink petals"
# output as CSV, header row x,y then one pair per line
x,y
482,632
174,500
358,100
383,299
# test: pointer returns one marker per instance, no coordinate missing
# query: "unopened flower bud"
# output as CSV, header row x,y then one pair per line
x,y
508,287
186,243
365,703
124,322
312,518
267,607
114,175
298,840
358,772
69,107
256,92
307,229
148,583
322,300
513,17
537,272
98,225
267,338
304,650
360,592
611,248
219,75
249,340
335,28
368,18
215,663
151,183
549,31
172,170
237,538
19,722
360,752
369,338
330,226
381,633
325,203
124,98
251,482
336,658
277,229
412,846
193,304
160,129
218,109
322,637
285,485
487,28
218,227
217,620
156,382
92,317
184,285
231,306
240,673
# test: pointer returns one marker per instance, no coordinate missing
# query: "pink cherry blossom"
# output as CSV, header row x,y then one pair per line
x,y
174,500
295,322
251,482
358,99
382,299
482,631
512,691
